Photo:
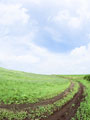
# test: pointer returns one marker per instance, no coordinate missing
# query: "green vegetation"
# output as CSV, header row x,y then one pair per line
x,y
45,111
21,87
83,112
87,77
10,115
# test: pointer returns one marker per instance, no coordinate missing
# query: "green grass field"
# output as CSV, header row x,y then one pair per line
x,y
83,112
20,87
17,88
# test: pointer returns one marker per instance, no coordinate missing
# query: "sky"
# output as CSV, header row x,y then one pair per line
x,y
45,36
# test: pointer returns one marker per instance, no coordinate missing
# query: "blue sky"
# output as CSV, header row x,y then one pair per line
x,y
45,36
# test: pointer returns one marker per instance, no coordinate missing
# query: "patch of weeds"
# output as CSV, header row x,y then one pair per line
x,y
12,115
45,111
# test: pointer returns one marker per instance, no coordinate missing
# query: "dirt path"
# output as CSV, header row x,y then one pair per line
x,y
44,102
68,111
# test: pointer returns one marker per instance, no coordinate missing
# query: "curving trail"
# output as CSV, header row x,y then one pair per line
x,y
41,103
69,110
66,112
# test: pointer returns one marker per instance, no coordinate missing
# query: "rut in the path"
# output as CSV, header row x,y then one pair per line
x,y
69,110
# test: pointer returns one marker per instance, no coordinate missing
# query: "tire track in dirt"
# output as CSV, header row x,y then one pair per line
x,y
68,110
41,103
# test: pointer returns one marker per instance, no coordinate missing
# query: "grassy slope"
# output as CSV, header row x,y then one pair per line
x,y
38,112
83,112
45,111
20,87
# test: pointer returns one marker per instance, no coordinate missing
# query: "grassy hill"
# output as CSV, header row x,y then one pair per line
x,y
28,96
20,87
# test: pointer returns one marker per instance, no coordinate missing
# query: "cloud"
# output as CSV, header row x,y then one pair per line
x,y
40,60
23,2
25,24
64,17
74,22
79,51
72,14
12,14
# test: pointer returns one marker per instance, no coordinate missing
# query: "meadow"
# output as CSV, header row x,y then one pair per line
x,y
20,87
83,112
28,96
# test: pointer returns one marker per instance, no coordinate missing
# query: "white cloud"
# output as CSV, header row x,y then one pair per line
x,y
40,60
24,2
21,53
82,51
75,62
64,17
74,14
12,14
74,22
31,1
61,16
